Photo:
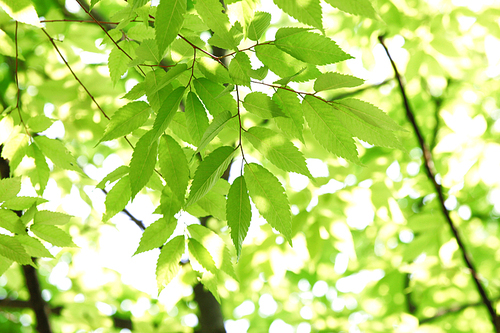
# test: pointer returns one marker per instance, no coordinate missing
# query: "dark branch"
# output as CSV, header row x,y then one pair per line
x,y
431,174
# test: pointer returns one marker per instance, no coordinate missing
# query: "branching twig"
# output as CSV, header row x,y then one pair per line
x,y
431,174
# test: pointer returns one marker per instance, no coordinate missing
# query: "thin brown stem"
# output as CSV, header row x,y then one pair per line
x,y
239,119
73,73
202,50
245,49
431,174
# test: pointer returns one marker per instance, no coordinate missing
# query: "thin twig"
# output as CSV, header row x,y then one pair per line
x,y
429,168
74,75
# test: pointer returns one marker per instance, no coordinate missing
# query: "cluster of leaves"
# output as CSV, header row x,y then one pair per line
x,y
202,83
178,69
21,246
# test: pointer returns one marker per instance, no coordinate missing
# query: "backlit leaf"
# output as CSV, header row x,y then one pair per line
x,y
293,124
113,176
22,11
278,150
211,12
333,80
356,7
196,117
9,187
33,246
174,166
239,69
200,258
167,112
126,119
168,22
262,105
213,129
143,161
269,197
58,154
209,171
53,235
309,47
258,26
54,218
156,235
238,212
308,12
12,249
168,265
210,92
117,198
328,130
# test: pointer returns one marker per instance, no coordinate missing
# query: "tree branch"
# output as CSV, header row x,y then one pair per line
x,y
431,174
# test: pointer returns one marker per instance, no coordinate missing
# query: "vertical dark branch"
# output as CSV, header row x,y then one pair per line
x,y
37,303
431,174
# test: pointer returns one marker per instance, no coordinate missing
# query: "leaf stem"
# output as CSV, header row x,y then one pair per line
x,y
431,174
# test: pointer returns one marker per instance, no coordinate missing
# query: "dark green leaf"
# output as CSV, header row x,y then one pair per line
x,y
238,212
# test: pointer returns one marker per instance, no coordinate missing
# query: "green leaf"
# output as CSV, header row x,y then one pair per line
x,y
293,124
9,187
196,117
238,212
127,119
307,12
167,112
22,203
239,69
209,171
148,50
41,173
210,92
262,105
54,218
12,249
168,265
214,204
364,130
53,235
278,150
8,220
215,246
258,26
213,129
118,62
210,282
93,3
136,92
39,123
356,7
309,47
284,65
333,80
156,94
174,166
213,70
169,204
259,73
328,130
236,32
117,198
143,161
200,258
22,11
156,235
58,154
269,197
33,246
4,264
211,12
8,47
168,22
370,114
113,176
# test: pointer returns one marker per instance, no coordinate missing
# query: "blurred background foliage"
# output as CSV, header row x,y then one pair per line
x,y
372,251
